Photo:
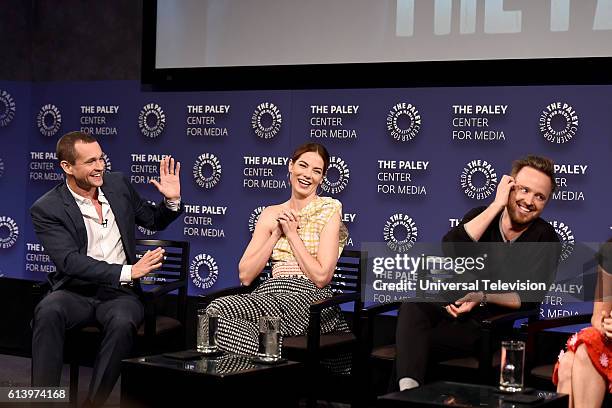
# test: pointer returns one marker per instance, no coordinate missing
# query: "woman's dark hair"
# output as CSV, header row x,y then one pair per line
x,y
312,147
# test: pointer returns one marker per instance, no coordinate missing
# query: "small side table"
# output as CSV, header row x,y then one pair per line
x,y
445,393
159,381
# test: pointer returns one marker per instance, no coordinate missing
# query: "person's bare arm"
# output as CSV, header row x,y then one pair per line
x,y
479,224
510,300
266,234
319,269
602,305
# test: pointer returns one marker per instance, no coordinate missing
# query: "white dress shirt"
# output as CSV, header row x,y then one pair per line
x,y
103,238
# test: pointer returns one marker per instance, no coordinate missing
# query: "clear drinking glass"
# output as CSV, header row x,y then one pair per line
x,y
269,338
208,320
512,366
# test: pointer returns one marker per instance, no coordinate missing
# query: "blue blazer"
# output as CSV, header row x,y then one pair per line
x,y
59,226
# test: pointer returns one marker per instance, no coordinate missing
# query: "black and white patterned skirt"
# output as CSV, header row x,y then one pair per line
x,y
286,296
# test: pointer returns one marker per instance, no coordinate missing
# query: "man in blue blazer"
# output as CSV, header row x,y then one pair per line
x,y
87,227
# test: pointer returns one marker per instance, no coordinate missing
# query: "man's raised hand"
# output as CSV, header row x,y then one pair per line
x,y
169,184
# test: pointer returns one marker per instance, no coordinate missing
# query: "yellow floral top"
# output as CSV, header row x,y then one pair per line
x,y
313,218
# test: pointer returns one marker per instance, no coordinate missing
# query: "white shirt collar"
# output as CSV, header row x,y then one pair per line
x,y
83,200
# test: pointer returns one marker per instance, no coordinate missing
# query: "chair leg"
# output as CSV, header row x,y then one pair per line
x,y
485,365
74,382
311,401
31,371
311,395
360,381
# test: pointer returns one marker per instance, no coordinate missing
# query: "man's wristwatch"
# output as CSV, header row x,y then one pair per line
x,y
483,300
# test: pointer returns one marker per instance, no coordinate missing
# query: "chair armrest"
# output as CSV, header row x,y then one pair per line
x,y
371,311
366,331
314,319
234,290
39,289
313,332
335,300
497,320
162,289
539,325
149,298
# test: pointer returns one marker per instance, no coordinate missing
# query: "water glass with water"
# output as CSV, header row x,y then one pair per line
x,y
512,366
208,320
269,338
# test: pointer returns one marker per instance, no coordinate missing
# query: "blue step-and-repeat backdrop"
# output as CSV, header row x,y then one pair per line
x,y
406,163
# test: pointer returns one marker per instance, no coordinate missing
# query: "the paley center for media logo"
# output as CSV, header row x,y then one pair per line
x,y
203,271
151,120
400,232
566,236
7,108
558,122
254,217
207,170
333,184
108,165
478,179
49,120
146,231
8,224
266,120
403,121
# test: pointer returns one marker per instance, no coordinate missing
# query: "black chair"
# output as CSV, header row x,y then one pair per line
x,y
481,367
158,333
314,346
